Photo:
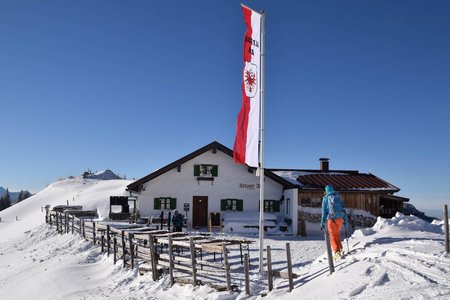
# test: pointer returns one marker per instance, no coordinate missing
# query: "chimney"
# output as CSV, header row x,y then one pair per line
x,y
324,164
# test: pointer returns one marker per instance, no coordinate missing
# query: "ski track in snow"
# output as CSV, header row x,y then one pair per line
x,y
425,275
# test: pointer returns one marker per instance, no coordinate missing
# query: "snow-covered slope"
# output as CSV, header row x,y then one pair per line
x,y
29,214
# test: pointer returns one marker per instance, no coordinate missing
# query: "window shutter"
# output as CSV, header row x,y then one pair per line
x,y
157,203
223,204
215,170
239,205
196,170
276,206
173,203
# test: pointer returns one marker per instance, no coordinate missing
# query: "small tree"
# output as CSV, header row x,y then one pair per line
x,y
5,200
20,197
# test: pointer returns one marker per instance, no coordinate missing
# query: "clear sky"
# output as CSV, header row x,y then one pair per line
x,y
134,85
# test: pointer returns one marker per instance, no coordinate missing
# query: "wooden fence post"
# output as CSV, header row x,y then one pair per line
x,y
194,267
246,273
124,249
168,220
153,257
115,249
102,241
447,246
46,214
289,266
66,230
73,224
50,219
130,241
57,222
108,239
161,217
227,266
61,222
84,230
171,261
269,268
93,230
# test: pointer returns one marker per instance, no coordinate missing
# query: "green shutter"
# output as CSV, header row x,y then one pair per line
x,y
196,170
239,205
215,170
276,206
157,203
223,204
173,203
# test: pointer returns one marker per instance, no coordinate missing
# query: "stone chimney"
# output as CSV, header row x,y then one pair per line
x,y
324,164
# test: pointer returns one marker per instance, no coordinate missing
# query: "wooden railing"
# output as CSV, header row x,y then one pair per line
x,y
185,258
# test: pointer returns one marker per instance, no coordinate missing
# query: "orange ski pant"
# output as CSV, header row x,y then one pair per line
x,y
334,228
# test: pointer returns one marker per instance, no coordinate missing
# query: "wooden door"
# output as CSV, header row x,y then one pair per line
x,y
199,211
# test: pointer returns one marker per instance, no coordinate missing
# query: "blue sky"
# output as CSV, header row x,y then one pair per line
x,y
134,85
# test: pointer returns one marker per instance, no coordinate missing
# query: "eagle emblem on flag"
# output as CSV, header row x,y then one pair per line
x,y
250,79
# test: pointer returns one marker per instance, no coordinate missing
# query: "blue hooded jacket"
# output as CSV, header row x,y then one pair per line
x,y
332,206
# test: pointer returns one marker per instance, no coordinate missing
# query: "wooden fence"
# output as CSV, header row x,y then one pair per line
x,y
194,259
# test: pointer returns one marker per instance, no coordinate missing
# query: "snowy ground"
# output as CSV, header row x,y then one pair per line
x,y
402,257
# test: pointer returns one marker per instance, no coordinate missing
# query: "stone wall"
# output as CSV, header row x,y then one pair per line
x,y
356,217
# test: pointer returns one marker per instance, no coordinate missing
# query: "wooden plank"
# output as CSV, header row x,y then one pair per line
x,y
180,259
213,248
188,269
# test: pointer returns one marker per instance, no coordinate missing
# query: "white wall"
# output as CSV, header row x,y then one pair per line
x,y
184,185
291,200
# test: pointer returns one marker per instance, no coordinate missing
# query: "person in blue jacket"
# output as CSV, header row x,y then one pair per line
x,y
333,213
177,221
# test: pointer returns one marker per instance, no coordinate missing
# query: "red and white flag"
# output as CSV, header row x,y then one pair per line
x,y
245,149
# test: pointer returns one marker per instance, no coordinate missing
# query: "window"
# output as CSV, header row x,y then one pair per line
x,y
165,203
206,170
311,202
272,205
231,205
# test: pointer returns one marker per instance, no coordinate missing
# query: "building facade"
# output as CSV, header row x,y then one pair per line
x,y
207,181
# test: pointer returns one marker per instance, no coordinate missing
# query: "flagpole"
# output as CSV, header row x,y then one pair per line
x,y
261,151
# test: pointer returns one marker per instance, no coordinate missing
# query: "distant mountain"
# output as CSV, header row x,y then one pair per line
x,y
104,175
